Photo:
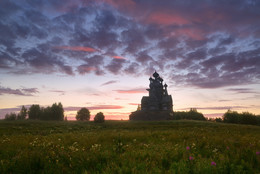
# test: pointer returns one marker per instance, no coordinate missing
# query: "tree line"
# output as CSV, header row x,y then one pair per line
x,y
55,112
239,118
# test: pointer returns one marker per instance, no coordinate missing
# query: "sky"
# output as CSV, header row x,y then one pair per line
x,y
100,54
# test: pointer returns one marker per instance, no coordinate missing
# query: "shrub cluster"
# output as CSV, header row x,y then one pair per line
x,y
193,114
241,118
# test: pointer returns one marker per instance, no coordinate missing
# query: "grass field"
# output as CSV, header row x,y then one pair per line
x,y
128,147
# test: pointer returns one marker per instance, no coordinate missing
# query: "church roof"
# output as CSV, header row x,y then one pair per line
x,y
155,74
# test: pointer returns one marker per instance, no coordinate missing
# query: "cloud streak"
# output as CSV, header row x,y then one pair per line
x,y
76,48
109,82
19,92
217,108
131,91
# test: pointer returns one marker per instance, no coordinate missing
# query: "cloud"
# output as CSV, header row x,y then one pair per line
x,y
131,91
76,48
19,92
93,64
118,57
180,39
166,18
61,92
115,65
217,108
109,82
243,90
135,104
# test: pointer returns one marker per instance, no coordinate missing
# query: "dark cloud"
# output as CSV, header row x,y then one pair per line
x,y
21,92
134,38
207,46
109,82
115,66
30,90
93,64
133,69
243,90
61,92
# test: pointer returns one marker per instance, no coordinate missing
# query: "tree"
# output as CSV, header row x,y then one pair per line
x,y
83,115
57,112
231,117
22,114
35,112
99,118
10,117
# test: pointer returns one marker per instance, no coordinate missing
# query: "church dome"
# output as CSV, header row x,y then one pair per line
x,y
155,74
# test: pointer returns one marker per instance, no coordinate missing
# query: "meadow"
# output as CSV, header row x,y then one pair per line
x,y
128,147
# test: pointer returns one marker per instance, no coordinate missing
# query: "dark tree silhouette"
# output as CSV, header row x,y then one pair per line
x,y
240,118
22,114
57,112
10,117
83,115
35,112
193,114
99,118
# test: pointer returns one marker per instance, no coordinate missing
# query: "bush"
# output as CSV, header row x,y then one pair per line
x,y
240,118
83,115
193,114
99,118
218,120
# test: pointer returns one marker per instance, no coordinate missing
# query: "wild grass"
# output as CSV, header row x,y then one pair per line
x,y
128,147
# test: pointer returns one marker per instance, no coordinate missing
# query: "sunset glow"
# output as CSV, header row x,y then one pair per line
x,y
101,54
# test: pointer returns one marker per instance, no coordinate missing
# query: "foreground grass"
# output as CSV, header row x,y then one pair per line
x,y
128,147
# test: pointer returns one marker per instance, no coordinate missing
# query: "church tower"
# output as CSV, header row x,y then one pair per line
x,y
158,99
156,106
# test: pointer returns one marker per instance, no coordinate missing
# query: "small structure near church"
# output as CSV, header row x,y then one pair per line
x,y
156,106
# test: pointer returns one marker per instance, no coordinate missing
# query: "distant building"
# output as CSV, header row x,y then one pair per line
x,y
156,106
158,99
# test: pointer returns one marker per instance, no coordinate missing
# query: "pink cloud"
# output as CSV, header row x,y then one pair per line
x,y
83,69
99,107
165,18
193,33
118,57
122,4
135,104
132,91
77,48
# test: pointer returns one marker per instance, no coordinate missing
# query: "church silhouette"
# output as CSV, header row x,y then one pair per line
x,y
158,105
